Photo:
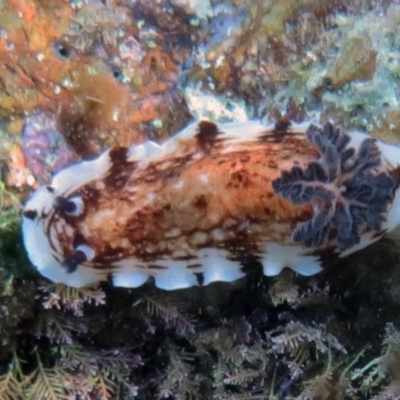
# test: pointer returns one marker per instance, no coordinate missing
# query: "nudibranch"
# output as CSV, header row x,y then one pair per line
x,y
211,200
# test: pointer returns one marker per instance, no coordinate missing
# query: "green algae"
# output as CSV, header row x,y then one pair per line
x,y
357,61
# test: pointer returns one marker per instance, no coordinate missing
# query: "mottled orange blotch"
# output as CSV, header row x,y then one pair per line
x,y
19,175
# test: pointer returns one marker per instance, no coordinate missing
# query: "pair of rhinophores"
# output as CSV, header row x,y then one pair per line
x,y
212,199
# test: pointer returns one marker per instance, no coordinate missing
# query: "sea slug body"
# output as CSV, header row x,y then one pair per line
x,y
213,198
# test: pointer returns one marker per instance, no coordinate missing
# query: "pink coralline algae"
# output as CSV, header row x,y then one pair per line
x,y
45,148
